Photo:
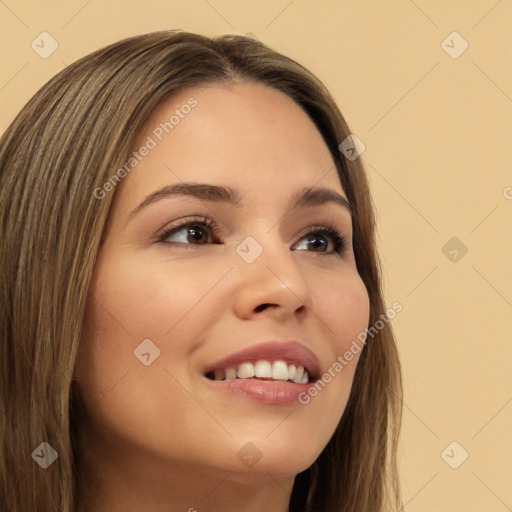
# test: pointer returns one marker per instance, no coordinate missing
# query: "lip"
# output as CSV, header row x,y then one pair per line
x,y
267,391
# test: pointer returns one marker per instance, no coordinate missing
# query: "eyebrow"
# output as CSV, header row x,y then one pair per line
x,y
305,197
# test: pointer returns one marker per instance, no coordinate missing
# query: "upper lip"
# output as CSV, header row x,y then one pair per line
x,y
292,352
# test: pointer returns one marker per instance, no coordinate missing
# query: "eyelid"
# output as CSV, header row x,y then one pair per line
x,y
184,222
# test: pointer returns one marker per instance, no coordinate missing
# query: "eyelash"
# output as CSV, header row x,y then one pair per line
x,y
338,240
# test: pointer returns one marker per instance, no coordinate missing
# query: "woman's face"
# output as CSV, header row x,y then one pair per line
x,y
166,308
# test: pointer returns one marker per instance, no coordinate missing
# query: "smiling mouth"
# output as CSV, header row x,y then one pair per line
x,y
279,371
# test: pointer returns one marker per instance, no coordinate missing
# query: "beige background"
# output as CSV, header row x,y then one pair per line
x,y
437,132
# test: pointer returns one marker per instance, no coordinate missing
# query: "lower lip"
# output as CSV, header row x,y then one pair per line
x,y
267,391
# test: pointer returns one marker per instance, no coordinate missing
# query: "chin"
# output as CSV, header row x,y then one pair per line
x,y
274,456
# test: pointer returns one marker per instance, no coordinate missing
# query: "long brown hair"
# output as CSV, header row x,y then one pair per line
x,y
66,143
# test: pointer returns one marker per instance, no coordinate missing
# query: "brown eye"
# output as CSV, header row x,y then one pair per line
x,y
318,237
196,232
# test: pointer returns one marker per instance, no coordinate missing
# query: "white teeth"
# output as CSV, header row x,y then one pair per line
x,y
298,374
263,369
245,371
278,370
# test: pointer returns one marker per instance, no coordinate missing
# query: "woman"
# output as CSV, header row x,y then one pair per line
x,y
190,291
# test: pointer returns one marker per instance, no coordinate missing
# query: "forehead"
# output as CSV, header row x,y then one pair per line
x,y
248,136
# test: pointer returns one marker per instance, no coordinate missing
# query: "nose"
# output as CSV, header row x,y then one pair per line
x,y
274,284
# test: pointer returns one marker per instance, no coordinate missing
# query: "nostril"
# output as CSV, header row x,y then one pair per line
x,y
261,307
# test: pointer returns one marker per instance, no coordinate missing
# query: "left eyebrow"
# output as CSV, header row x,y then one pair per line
x,y
318,196
305,197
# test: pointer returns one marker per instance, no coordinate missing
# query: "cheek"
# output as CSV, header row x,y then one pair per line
x,y
343,309
150,300
342,304
132,300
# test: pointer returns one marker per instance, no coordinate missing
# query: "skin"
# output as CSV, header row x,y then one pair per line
x,y
156,438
